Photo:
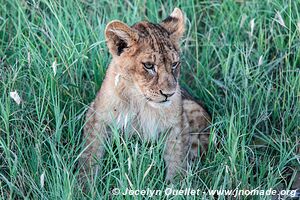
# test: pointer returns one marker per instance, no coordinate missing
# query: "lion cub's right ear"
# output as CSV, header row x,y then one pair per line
x,y
119,36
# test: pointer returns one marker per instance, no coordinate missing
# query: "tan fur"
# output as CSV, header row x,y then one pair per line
x,y
134,97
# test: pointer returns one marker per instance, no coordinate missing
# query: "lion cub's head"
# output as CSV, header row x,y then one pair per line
x,y
147,54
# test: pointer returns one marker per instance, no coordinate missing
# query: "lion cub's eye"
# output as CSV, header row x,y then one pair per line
x,y
149,66
175,65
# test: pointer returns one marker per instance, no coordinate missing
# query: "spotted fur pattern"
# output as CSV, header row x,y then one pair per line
x,y
141,92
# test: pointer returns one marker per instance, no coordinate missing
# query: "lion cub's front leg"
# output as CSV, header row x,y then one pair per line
x,y
176,149
95,133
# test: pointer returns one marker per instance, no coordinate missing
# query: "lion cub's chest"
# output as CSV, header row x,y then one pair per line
x,y
146,121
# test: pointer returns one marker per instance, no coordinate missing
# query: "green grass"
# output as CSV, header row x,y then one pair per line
x,y
248,79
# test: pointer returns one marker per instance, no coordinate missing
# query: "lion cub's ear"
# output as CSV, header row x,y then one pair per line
x,y
174,24
119,36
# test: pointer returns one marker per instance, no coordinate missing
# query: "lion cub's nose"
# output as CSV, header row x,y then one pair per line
x,y
166,94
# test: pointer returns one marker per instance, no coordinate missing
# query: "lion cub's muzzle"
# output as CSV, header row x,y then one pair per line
x,y
166,95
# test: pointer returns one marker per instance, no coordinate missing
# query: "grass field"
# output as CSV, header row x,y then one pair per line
x,y
241,59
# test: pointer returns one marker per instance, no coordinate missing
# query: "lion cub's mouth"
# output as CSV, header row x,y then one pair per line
x,y
159,104
164,101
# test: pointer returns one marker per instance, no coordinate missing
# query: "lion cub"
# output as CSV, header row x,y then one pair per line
x,y
141,93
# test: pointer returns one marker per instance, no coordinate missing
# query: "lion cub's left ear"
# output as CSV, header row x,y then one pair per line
x,y
174,24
